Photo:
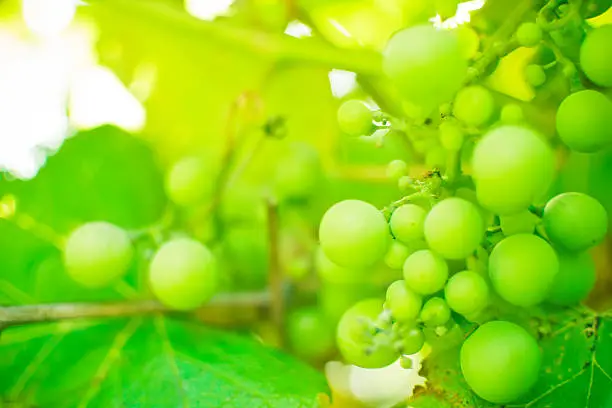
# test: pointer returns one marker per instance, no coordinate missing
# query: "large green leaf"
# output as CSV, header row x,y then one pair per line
x,y
152,362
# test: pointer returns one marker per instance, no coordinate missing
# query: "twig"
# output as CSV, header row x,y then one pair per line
x,y
275,278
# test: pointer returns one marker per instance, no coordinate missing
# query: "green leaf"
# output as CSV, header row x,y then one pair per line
x,y
153,362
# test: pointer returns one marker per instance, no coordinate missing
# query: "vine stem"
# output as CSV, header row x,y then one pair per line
x,y
275,278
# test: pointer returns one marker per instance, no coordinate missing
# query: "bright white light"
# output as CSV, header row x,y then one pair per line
x,y
342,82
48,17
340,28
462,16
298,29
208,9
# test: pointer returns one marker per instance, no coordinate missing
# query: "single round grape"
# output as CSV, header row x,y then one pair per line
x,y
334,299
298,172
403,303
97,254
396,255
512,167
355,118
474,105
469,42
183,274
535,75
425,64
425,272
451,136
446,8
512,114
584,121
309,333
435,312
407,223
596,55
405,184
500,361
396,169
594,8
575,279
466,292
354,233
330,272
523,222
575,221
522,269
454,228
190,181
354,336
529,34
412,341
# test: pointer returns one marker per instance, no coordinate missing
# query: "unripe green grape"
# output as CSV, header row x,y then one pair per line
x,y
436,158
417,11
596,56
396,255
575,279
425,64
97,254
354,233
425,272
183,274
405,184
469,42
330,272
355,118
190,181
454,228
310,334
446,8
512,167
500,361
451,136
523,222
535,75
355,339
412,341
336,298
584,121
403,303
522,269
474,105
467,292
396,169
245,251
435,312
512,114
575,221
529,34
594,8
298,172
407,223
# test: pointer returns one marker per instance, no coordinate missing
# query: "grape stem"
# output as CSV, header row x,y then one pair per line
x,y
275,277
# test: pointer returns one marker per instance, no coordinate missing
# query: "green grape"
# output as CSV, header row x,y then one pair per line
x,y
406,184
529,34
594,8
467,292
512,114
575,221
411,341
336,298
575,279
596,56
451,136
330,272
190,181
512,167
523,222
407,223
522,268
474,105
435,312
298,172
183,274
535,75
425,272
425,64
446,8
584,121
403,303
417,11
454,228
310,334
396,255
355,118
356,340
245,252
396,169
469,42
436,158
97,254
354,233
500,361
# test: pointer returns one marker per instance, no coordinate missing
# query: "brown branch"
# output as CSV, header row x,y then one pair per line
x,y
275,278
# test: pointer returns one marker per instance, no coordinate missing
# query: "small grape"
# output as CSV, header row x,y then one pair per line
x,y
97,254
425,272
529,34
575,221
298,172
407,223
469,42
405,184
596,55
190,181
435,312
500,361
412,341
467,292
523,222
330,272
355,118
403,303
446,8
512,114
396,169
335,299
594,8
522,268
474,105
396,255
183,274
535,75
454,228
451,136
354,233
310,334
575,279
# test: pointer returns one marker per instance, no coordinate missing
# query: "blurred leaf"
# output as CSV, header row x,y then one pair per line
x,y
155,362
